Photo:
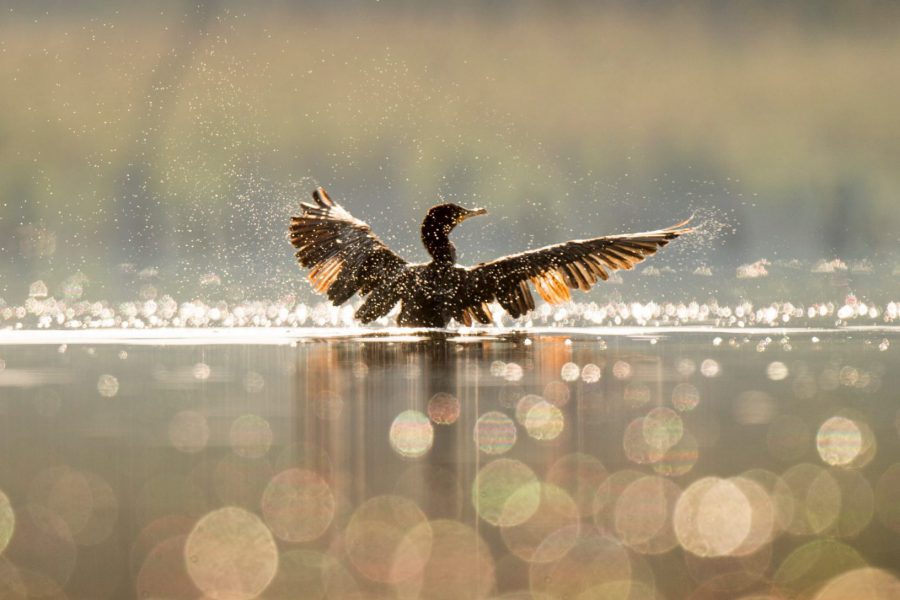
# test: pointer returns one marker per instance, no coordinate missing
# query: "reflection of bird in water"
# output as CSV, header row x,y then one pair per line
x,y
346,258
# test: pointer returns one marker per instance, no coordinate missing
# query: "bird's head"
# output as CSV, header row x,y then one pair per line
x,y
444,217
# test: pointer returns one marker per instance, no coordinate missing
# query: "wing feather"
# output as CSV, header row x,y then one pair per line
x,y
343,255
556,270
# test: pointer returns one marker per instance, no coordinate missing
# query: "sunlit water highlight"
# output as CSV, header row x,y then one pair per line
x,y
673,461
42,312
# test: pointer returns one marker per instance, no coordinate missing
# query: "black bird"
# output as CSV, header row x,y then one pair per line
x,y
346,258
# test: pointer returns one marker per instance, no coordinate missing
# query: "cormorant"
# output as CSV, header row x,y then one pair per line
x,y
346,258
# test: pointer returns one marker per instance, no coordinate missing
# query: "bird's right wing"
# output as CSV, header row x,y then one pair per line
x,y
344,256
554,270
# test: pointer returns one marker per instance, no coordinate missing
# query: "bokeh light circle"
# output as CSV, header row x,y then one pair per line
x,y
525,404
201,371
557,392
580,475
443,408
108,385
762,517
43,544
570,372
459,564
495,433
188,431
231,554
505,492
713,517
637,450
710,368
817,498
163,571
593,561
839,441
556,510
867,582
808,567
155,532
685,397
104,514
65,492
643,515
662,428
591,373
250,436
7,521
621,370
513,371
411,434
780,496
298,505
388,539
685,367
680,458
777,370
544,421
608,493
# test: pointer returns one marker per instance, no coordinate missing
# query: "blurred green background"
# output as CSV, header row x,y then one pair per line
x,y
169,142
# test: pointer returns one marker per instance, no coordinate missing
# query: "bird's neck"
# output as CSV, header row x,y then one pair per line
x,y
436,237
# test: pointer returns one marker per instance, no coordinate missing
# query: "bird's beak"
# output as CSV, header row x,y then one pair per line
x,y
474,212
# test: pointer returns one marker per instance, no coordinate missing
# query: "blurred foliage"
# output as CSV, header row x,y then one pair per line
x,y
177,136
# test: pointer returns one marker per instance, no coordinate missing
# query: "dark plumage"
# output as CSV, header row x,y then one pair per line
x,y
346,258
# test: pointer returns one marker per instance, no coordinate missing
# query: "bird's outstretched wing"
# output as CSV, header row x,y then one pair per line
x,y
344,256
554,270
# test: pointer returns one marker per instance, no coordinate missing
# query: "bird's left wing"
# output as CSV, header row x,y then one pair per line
x,y
555,270
344,256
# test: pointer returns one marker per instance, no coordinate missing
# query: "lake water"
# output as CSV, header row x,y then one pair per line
x,y
628,464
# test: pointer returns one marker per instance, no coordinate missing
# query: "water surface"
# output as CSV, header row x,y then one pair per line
x,y
630,464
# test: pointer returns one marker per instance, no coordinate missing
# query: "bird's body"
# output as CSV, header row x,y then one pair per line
x,y
346,258
431,294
